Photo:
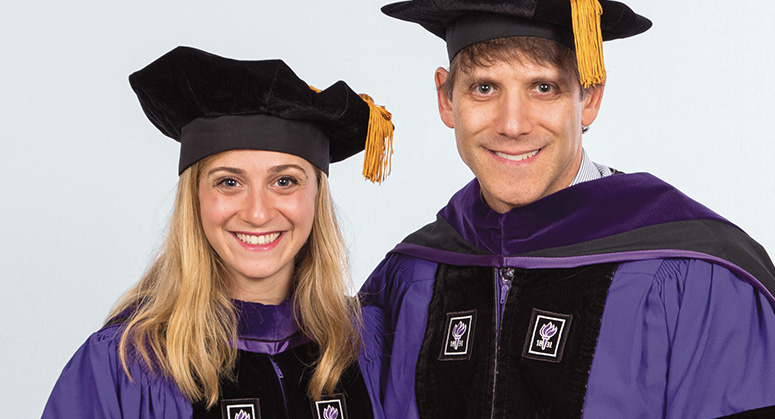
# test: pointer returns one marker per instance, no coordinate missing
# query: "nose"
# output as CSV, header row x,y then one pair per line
x,y
259,207
513,115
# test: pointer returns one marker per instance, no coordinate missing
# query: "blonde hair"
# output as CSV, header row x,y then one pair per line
x,y
181,322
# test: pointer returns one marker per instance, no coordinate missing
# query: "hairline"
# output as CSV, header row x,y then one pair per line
x,y
495,53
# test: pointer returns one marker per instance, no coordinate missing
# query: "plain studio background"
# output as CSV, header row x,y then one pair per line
x,y
88,182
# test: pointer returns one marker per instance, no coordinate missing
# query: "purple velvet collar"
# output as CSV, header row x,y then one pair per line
x,y
266,328
619,218
583,212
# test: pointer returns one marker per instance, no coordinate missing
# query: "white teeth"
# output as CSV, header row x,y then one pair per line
x,y
517,157
262,239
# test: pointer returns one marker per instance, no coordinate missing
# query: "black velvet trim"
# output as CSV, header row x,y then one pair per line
x,y
704,236
522,387
461,388
530,388
761,413
708,237
441,235
256,378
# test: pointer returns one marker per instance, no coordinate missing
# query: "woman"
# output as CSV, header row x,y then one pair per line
x,y
243,314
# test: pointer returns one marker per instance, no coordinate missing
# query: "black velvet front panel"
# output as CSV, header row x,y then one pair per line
x,y
762,413
458,388
532,388
256,378
523,387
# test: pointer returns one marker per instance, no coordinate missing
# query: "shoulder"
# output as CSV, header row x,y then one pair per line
x,y
396,274
95,384
683,287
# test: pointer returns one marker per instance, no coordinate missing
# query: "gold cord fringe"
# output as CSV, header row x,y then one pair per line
x,y
379,142
589,41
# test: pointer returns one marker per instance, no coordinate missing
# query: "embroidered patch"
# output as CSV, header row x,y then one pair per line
x,y
240,409
458,339
546,336
331,407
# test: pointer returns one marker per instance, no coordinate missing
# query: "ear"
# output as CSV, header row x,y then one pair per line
x,y
445,102
591,104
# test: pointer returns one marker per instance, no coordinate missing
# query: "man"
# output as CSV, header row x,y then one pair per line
x,y
551,286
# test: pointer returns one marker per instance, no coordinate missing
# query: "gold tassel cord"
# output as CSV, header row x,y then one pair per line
x,y
589,41
379,142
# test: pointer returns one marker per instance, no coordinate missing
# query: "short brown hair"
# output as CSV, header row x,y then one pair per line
x,y
537,50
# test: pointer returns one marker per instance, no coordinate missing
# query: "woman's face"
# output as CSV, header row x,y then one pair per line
x,y
257,209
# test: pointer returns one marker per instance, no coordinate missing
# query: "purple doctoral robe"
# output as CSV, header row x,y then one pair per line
x,y
685,325
93,384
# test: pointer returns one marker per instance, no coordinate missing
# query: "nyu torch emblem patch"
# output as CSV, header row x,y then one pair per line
x,y
459,333
546,336
332,407
240,409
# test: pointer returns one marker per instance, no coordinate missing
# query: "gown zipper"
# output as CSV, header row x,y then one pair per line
x,y
280,377
504,277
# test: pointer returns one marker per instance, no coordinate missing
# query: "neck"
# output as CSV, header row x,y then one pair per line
x,y
272,290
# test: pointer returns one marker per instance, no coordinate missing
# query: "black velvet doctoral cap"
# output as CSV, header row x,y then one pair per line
x,y
212,104
465,22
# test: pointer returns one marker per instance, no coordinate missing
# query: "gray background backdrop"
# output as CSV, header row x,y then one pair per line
x,y
87,181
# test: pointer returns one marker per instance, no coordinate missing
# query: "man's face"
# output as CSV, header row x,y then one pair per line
x,y
518,127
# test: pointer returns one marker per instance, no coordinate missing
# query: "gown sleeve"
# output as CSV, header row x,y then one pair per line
x,y
401,286
372,359
682,338
93,385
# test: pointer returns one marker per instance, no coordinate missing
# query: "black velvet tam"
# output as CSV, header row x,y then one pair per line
x,y
211,104
465,22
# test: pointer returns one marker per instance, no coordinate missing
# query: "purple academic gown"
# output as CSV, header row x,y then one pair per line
x,y
686,327
93,384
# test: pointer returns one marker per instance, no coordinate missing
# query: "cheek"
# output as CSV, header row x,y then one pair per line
x,y
213,211
299,209
306,212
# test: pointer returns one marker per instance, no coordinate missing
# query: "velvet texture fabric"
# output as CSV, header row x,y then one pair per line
x,y
187,84
529,388
763,413
615,219
458,388
438,16
258,378
524,388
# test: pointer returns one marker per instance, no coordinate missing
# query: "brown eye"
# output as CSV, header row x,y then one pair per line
x,y
228,182
286,182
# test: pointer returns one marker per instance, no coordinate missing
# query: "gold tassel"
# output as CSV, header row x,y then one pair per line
x,y
379,142
589,41
314,89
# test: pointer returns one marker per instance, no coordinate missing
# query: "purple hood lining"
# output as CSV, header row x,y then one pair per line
x,y
620,218
268,329
583,212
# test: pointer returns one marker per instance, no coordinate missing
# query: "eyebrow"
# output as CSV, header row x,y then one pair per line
x,y
283,167
273,169
226,169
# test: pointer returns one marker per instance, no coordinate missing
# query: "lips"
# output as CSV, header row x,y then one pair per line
x,y
257,239
517,157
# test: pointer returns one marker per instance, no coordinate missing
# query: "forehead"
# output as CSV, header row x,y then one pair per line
x,y
522,68
255,159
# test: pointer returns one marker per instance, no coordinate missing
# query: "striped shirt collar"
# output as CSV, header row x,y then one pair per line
x,y
590,170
